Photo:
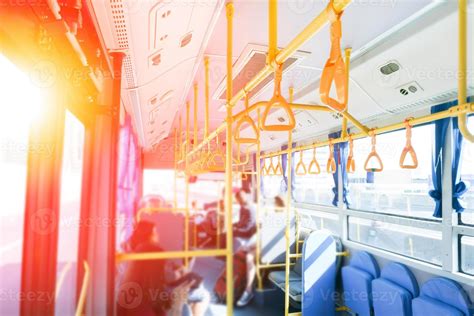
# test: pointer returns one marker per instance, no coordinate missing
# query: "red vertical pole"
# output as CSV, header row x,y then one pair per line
x,y
115,134
40,235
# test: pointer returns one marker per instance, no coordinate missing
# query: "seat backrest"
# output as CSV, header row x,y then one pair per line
x,y
319,273
272,236
393,292
442,291
357,282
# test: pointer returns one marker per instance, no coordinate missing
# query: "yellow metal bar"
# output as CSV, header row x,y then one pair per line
x,y
295,314
206,91
175,184
180,138
312,28
195,125
85,284
272,30
228,165
186,185
462,81
258,250
451,112
296,255
134,256
348,66
288,211
273,265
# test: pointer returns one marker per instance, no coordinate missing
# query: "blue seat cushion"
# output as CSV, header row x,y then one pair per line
x,y
399,274
424,306
390,299
357,291
278,277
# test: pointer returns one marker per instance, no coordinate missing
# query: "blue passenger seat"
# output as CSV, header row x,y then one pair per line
x,y
442,297
357,282
393,292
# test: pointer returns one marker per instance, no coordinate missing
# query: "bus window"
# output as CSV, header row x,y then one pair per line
x,y
467,175
161,182
316,220
314,188
69,216
467,254
419,243
273,185
394,190
21,102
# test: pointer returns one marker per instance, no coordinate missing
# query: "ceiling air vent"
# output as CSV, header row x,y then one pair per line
x,y
186,39
253,59
390,68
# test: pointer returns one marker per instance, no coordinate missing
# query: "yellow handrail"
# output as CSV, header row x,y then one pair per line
x,y
82,296
462,80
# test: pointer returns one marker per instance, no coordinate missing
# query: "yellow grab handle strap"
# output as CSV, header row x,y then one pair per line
x,y
278,168
246,119
314,167
277,101
335,71
408,149
350,165
331,165
300,167
373,154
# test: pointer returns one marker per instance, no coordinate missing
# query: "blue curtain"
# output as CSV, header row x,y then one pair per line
x,y
441,127
284,163
459,187
340,155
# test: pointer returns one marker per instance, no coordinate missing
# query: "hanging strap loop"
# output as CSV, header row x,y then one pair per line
x,y
373,154
350,166
300,167
331,165
246,119
408,149
335,69
314,167
277,101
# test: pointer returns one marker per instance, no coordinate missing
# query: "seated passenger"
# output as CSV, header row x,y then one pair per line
x,y
149,286
245,230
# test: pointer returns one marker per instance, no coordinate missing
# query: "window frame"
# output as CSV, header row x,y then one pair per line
x,y
450,226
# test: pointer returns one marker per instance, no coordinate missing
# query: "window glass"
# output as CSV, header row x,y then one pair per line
x,y
69,216
21,102
273,184
419,243
467,254
314,188
467,175
394,190
161,182
316,220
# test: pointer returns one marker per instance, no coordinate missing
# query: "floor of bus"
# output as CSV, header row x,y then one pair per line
x,y
211,268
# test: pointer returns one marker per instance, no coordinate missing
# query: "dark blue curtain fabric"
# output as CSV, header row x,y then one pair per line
x,y
340,155
284,163
459,187
441,127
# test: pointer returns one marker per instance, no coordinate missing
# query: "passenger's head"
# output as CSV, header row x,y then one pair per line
x,y
242,197
145,232
280,201
151,201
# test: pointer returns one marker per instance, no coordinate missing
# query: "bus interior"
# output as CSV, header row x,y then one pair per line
x,y
237,157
